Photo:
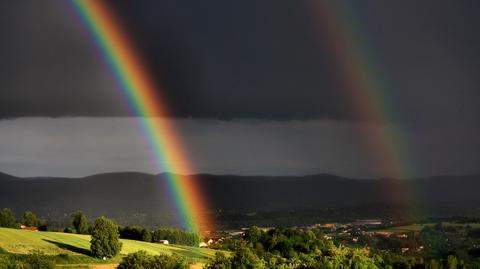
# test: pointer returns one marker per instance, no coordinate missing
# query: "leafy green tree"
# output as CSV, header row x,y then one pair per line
x,y
30,219
244,258
220,261
146,235
80,222
105,238
7,218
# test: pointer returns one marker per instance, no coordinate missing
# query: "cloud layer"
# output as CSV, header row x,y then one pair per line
x,y
84,146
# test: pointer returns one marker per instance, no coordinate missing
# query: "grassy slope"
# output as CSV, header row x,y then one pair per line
x,y
52,243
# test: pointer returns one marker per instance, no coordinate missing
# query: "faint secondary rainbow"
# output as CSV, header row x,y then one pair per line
x,y
366,92
138,87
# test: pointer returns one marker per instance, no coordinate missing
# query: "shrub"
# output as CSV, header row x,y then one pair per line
x,y
141,259
38,260
35,260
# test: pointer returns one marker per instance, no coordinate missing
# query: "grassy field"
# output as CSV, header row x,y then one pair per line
x,y
76,247
404,229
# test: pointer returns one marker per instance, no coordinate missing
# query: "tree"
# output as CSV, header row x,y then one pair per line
x,y
105,238
146,235
220,261
244,258
80,222
7,218
30,219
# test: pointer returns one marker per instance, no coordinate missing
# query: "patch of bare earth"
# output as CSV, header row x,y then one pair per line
x,y
197,266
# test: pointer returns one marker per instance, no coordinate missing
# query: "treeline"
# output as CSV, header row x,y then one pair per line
x,y
9,220
173,236
80,225
308,249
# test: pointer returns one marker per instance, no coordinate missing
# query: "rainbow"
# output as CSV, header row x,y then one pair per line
x,y
367,93
142,94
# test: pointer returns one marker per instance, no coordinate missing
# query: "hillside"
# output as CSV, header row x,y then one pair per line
x,y
240,201
52,243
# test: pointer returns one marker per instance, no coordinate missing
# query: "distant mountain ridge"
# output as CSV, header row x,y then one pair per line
x,y
242,200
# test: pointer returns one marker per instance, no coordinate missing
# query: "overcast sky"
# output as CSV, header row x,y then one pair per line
x,y
250,85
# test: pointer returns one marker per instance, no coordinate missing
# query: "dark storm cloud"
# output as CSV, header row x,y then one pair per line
x,y
243,59
47,65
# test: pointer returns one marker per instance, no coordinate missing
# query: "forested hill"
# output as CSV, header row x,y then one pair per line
x,y
241,200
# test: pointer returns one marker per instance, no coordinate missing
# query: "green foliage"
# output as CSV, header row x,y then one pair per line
x,y
30,219
7,218
35,260
146,235
434,241
244,258
287,243
39,261
105,238
220,261
136,260
452,262
176,236
141,260
69,230
136,233
80,222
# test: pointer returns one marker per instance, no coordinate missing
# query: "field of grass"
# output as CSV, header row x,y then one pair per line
x,y
404,229
77,246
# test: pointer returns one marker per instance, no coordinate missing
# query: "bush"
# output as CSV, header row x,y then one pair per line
x,y
105,238
39,261
141,259
35,260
